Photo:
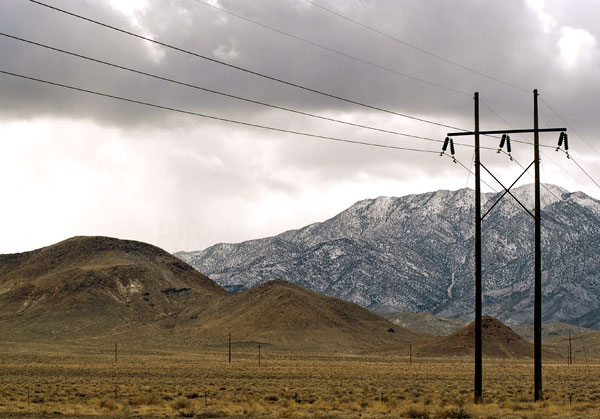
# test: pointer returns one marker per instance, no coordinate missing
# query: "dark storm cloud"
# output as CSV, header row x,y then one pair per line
x,y
503,39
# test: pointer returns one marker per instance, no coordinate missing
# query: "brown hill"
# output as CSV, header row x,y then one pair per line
x,y
287,316
98,289
499,341
90,286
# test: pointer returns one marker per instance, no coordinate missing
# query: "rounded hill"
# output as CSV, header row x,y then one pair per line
x,y
87,286
289,316
498,340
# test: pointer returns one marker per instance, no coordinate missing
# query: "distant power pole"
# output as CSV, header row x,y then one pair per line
x,y
478,396
230,347
570,352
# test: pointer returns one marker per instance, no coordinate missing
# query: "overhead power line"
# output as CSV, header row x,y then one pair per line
x,y
222,93
326,48
584,171
468,169
569,126
407,75
418,137
448,61
487,105
546,146
255,73
422,50
216,118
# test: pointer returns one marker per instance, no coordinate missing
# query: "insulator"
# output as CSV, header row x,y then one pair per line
x,y
566,142
502,141
508,148
445,146
561,137
451,146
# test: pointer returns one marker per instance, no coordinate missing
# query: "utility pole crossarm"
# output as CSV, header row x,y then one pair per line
x,y
506,131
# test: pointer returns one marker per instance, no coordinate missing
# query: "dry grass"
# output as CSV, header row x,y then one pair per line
x,y
86,382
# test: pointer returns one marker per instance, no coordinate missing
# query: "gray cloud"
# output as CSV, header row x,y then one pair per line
x,y
500,39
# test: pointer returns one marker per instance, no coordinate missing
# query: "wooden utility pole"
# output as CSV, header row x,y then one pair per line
x,y
537,298
478,394
537,333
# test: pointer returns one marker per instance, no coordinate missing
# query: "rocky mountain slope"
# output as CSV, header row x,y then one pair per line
x,y
415,253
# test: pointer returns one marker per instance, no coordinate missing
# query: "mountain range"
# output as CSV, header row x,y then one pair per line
x,y
92,292
415,253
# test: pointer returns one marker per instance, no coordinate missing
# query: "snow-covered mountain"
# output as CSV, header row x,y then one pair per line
x,y
415,253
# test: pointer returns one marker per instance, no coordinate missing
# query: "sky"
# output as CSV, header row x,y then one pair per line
x,y
74,163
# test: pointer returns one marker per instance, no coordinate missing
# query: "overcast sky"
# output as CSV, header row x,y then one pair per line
x,y
76,164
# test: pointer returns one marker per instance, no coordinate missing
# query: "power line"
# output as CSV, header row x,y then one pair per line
x,y
513,159
547,189
321,46
222,93
469,174
422,50
248,124
584,171
525,142
569,126
468,169
509,125
530,175
487,105
541,162
255,73
408,76
562,169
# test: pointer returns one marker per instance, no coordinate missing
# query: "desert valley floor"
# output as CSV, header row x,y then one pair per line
x,y
84,381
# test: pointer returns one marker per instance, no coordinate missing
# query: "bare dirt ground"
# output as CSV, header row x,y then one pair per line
x,y
87,382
